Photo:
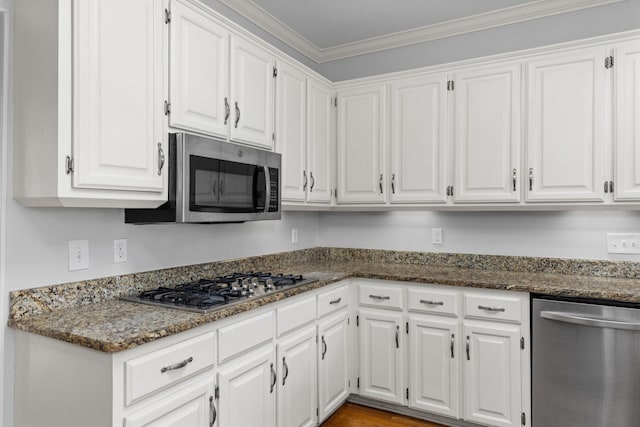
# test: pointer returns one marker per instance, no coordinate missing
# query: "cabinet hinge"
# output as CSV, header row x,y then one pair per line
x,y
523,419
167,16
407,393
216,392
407,327
68,161
273,137
451,85
275,72
335,193
317,412
348,321
358,383
348,383
316,338
335,101
522,343
358,323
608,62
167,108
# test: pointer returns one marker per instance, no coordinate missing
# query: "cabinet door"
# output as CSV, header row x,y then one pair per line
x,y
627,130
298,385
247,390
320,140
381,355
333,380
487,134
492,374
119,75
433,365
361,144
291,130
251,94
565,129
192,406
199,72
418,129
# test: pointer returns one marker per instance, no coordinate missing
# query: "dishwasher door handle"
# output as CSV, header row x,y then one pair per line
x,y
589,321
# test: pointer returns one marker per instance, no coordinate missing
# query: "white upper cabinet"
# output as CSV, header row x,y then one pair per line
x,y
627,122
199,72
566,127
362,135
252,87
320,120
418,139
487,134
291,130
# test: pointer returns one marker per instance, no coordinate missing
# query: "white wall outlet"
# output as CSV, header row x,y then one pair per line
x,y
623,243
120,250
78,255
436,236
294,235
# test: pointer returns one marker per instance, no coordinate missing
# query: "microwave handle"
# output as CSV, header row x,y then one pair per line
x,y
267,184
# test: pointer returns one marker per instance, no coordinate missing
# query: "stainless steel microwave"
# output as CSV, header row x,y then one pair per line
x,y
216,181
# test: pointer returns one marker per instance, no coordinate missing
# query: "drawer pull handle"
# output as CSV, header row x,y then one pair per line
x,y
274,379
180,365
380,297
424,301
493,309
336,301
213,414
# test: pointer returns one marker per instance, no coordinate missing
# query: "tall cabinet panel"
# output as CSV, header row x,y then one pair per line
x,y
487,134
627,124
199,72
252,87
291,130
362,139
566,127
333,362
418,129
118,94
320,131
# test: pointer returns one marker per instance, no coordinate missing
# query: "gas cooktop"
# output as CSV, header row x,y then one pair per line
x,y
207,295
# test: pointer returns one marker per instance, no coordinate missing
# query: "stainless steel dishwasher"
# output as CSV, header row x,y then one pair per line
x,y
585,364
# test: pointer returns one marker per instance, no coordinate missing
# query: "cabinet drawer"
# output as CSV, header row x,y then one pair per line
x,y
149,373
294,315
494,307
380,295
433,301
334,300
241,336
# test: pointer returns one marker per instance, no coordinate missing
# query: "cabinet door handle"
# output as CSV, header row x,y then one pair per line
x,y
515,178
285,368
274,379
336,301
237,114
493,309
423,301
227,110
468,349
178,365
393,183
324,347
313,181
160,158
380,183
530,179
379,297
213,413
397,336
611,187
453,346
214,187
606,187
304,183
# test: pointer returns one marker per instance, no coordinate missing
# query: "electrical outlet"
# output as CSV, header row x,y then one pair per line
x,y
120,250
619,243
294,235
78,255
436,236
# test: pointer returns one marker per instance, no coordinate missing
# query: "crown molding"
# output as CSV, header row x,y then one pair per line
x,y
483,21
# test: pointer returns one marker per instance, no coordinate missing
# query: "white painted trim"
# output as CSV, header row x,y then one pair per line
x,y
510,15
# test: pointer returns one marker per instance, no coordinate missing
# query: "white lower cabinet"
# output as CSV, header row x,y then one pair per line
x,y
434,365
381,355
333,374
298,380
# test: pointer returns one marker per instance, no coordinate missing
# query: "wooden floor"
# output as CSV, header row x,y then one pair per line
x,y
351,415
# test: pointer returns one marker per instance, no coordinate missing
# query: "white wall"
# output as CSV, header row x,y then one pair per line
x,y
569,234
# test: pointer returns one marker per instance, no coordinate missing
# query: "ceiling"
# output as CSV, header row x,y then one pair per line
x,y
326,30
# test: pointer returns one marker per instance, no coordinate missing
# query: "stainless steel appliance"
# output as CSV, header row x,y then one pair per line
x,y
216,181
206,295
585,364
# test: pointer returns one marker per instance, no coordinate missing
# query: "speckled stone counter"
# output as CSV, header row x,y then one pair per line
x,y
89,313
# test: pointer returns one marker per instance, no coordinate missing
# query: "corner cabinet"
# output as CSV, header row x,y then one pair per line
x,y
91,133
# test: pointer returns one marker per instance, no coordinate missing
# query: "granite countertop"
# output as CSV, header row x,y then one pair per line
x,y
114,325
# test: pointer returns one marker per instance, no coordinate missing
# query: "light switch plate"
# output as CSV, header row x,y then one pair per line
x,y
623,243
436,236
78,255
